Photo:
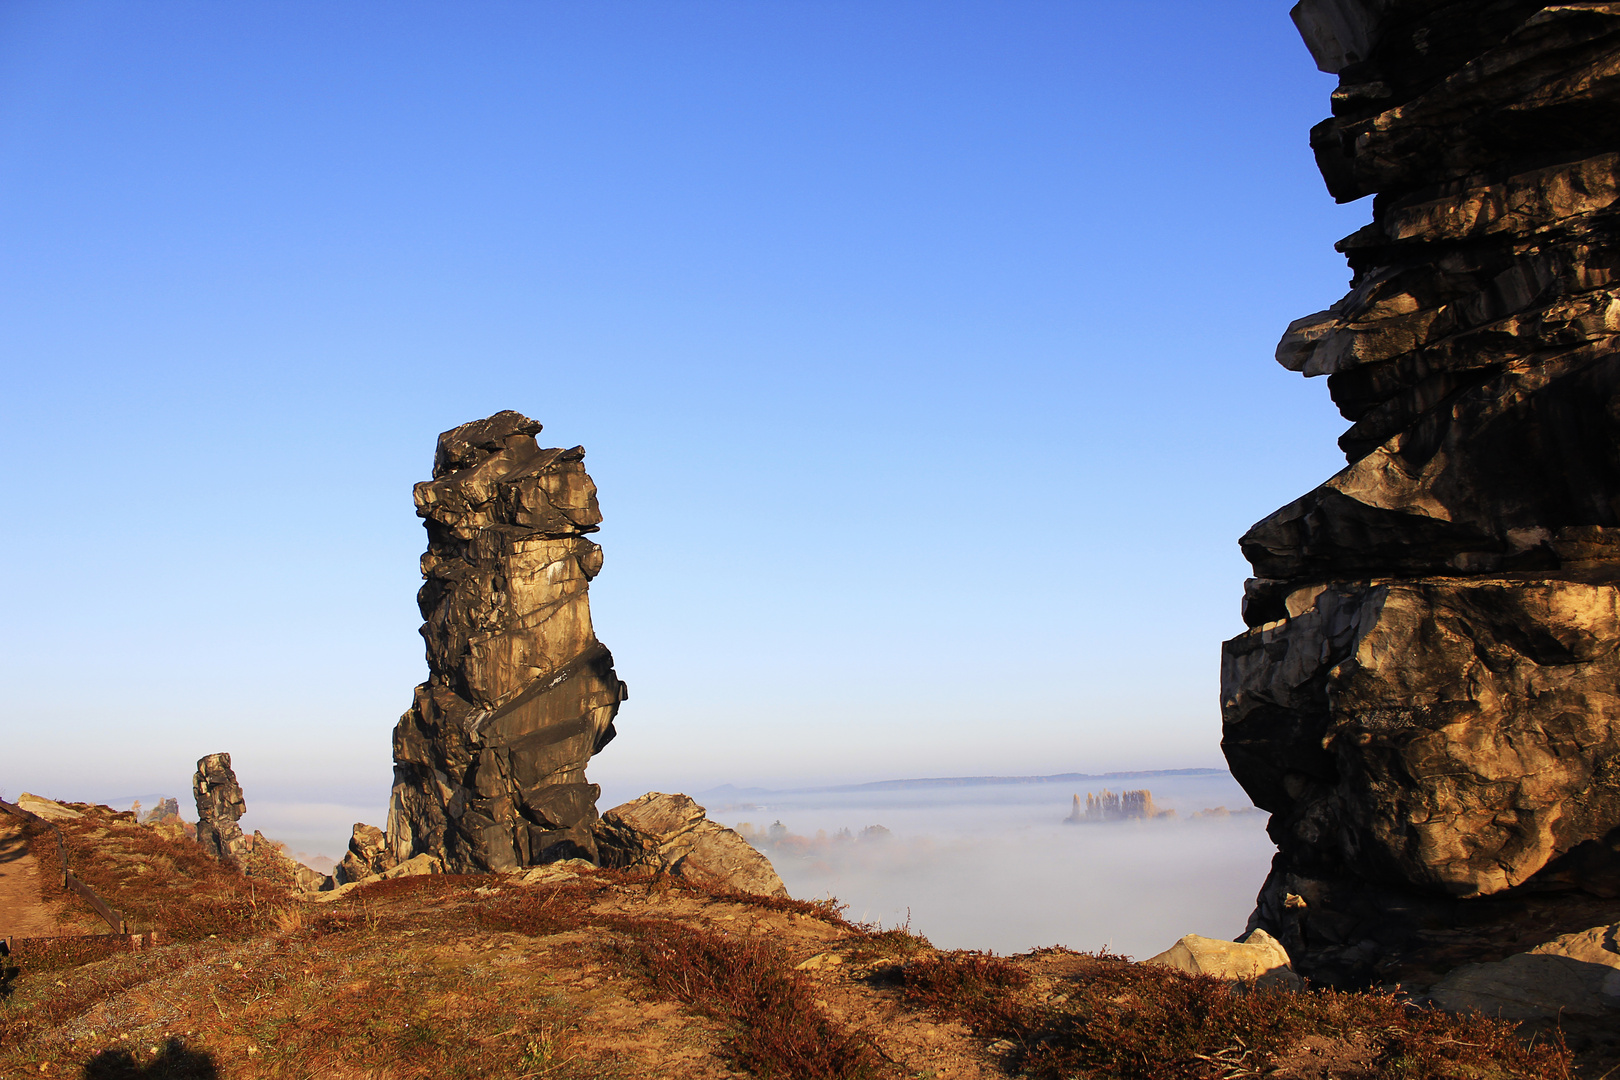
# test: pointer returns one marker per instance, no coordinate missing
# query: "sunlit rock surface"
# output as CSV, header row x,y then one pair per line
x,y
1428,699
671,834
1258,958
489,762
368,854
219,806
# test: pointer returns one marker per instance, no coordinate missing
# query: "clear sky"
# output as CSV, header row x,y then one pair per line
x,y
922,351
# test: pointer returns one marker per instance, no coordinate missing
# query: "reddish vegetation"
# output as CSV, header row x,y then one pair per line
x,y
615,975
1115,1019
775,1027
161,880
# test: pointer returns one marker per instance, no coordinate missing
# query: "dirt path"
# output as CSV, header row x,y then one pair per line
x,y
22,911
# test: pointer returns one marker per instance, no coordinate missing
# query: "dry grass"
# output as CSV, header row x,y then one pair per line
x,y
478,976
776,1029
163,883
68,951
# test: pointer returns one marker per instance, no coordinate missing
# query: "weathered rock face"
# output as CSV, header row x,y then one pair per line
x,y
1574,974
671,834
1258,958
368,854
219,806
1428,699
489,762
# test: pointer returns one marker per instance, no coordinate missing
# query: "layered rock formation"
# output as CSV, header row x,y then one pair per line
x,y
1428,699
489,762
219,806
671,834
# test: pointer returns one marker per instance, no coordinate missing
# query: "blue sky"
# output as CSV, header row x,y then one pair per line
x,y
922,352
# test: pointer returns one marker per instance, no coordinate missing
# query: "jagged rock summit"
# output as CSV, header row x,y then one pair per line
x,y
489,761
1428,697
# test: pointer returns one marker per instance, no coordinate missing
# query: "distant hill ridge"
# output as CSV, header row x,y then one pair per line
x,y
728,790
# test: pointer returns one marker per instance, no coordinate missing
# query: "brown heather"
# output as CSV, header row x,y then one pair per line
x,y
622,976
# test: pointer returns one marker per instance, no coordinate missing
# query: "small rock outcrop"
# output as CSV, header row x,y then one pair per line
x,y
219,806
671,834
1258,958
1428,697
49,809
1572,975
368,854
415,866
489,761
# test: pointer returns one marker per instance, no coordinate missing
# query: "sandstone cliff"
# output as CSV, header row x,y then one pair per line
x,y
489,762
1428,699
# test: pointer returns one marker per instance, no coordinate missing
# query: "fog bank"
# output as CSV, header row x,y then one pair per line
x,y
994,866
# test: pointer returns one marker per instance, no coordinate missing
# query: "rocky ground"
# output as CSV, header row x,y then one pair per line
x,y
589,973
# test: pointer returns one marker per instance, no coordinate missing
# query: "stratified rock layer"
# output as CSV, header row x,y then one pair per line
x,y
672,834
219,806
489,762
1428,699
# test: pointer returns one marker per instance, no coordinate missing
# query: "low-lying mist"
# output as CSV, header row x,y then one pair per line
x,y
972,865
994,866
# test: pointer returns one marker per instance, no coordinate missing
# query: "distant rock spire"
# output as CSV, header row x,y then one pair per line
x,y
219,805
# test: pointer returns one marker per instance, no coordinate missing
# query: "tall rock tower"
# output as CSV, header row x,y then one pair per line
x,y
489,763
1428,697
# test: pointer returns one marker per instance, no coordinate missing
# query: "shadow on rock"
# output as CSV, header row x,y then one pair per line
x,y
172,1062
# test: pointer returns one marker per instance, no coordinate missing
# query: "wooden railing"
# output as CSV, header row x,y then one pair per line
x,y
113,917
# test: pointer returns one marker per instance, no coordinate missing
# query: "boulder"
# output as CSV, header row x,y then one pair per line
x,y
1574,974
489,761
48,809
671,834
415,866
1257,958
220,805
554,873
368,854
1425,699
